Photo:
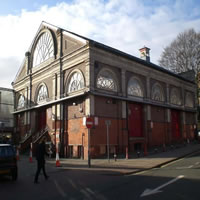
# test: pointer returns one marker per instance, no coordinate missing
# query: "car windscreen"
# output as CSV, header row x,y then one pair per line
x,y
6,151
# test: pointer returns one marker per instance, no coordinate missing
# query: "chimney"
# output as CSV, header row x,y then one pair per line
x,y
145,53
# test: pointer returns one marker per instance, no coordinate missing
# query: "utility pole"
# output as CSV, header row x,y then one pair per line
x,y
108,123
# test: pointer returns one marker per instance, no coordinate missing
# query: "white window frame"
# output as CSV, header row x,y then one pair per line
x,y
106,80
44,49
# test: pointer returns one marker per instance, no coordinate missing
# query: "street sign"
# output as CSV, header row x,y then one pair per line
x,y
89,122
108,122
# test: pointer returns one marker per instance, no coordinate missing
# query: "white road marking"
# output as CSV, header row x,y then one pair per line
x,y
60,190
156,190
186,167
87,192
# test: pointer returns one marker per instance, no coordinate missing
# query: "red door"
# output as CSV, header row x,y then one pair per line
x,y
42,119
135,120
175,121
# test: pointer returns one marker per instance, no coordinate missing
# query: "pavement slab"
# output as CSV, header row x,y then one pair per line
x,y
129,166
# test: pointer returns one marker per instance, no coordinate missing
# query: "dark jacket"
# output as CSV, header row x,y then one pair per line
x,y
40,152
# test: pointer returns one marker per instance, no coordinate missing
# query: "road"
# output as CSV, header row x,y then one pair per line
x,y
177,181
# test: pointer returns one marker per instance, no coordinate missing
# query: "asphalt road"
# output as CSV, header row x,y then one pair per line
x,y
177,181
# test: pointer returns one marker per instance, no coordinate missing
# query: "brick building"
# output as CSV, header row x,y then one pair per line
x,y
65,78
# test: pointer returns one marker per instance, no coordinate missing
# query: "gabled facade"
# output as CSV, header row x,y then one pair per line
x,y
66,77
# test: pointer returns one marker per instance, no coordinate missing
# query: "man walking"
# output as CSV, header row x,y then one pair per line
x,y
40,157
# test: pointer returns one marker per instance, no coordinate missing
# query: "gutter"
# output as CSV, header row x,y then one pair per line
x,y
51,102
144,101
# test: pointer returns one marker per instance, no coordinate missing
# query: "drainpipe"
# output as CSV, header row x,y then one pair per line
x,y
62,107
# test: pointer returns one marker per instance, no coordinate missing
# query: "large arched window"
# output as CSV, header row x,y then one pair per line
x,y
21,102
76,82
135,87
175,96
42,94
105,80
157,92
44,49
189,101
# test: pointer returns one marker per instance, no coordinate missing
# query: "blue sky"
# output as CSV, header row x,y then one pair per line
x,y
15,6
126,25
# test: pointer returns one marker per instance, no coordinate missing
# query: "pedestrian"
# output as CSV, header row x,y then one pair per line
x,y
40,157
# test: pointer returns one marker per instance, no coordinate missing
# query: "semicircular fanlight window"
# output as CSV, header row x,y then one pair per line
x,y
135,88
175,97
21,102
76,82
44,49
42,94
157,93
105,80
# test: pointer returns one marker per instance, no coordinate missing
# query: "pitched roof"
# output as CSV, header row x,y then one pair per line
x,y
114,51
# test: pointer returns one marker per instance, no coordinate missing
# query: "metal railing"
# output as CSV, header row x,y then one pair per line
x,y
39,134
25,137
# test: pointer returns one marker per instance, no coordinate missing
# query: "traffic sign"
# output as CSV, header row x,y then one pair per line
x,y
89,122
108,122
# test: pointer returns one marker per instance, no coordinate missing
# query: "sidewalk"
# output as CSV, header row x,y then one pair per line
x,y
128,166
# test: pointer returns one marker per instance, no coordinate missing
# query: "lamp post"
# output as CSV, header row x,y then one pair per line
x,y
108,123
89,124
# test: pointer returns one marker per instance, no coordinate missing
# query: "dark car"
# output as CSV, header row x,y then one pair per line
x,y
8,161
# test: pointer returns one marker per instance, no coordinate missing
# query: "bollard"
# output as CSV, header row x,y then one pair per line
x,y
127,156
138,154
145,150
17,153
115,157
164,147
57,157
31,154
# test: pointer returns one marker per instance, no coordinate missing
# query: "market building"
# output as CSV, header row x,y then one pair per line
x,y
134,104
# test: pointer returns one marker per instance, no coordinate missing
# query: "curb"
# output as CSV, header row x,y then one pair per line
x,y
164,163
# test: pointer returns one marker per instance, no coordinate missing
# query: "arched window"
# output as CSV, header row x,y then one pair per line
x,y
105,80
157,92
175,96
189,101
21,102
42,93
76,82
44,49
135,87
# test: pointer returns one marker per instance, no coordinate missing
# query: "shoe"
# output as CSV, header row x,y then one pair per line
x,y
36,182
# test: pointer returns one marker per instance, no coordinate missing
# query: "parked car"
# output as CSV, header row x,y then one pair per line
x,y
8,161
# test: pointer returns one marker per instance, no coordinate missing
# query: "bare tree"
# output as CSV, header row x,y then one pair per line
x,y
183,53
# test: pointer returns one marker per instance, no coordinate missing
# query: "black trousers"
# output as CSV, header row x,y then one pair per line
x,y
40,165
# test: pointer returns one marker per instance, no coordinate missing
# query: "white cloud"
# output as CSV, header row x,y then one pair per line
x,y
123,24
9,67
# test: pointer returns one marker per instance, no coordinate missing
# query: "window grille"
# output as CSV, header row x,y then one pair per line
x,y
42,94
43,50
157,93
21,102
106,81
76,82
135,88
